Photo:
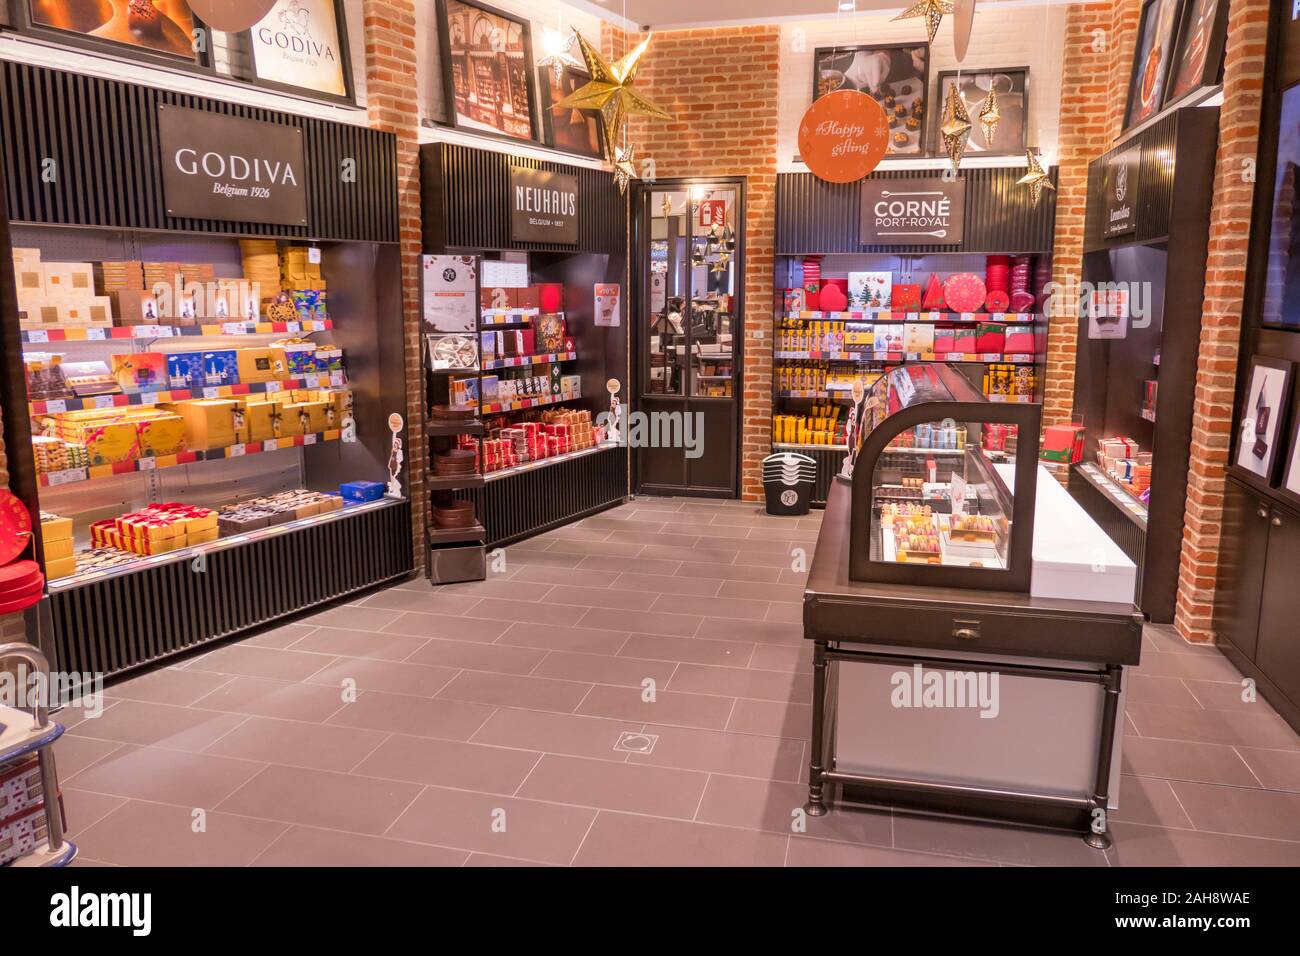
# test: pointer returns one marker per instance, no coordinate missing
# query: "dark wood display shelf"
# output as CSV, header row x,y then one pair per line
x,y
449,429
439,536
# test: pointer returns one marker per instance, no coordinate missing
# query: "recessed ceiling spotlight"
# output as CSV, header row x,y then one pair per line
x,y
848,6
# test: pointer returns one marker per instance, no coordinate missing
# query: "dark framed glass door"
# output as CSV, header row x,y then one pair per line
x,y
689,336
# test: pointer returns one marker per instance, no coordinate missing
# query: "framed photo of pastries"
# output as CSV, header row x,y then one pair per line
x,y
1259,427
897,76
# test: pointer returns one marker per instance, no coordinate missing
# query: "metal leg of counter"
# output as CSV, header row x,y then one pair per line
x,y
1085,813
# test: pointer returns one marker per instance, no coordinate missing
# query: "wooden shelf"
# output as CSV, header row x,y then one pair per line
x,y
442,483
127,399
439,536
126,332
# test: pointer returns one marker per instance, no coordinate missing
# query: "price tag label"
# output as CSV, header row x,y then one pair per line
x,y
270,445
235,451
151,331
96,335
211,392
293,326
232,328
57,405
336,378
148,398
272,386
103,401
146,464
38,335
309,439
313,255
65,477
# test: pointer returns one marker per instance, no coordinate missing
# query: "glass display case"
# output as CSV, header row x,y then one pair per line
x,y
943,484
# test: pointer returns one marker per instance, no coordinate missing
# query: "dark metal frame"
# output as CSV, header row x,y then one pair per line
x,y
1284,426
923,142
544,107
448,87
974,408
641,305
1134,79
1024,138
201,63
349,97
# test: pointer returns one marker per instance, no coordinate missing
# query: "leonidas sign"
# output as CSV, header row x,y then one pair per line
x,y
913,212
231,168
543,206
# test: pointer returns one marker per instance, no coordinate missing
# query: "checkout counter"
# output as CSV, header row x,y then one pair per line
x,y
972,625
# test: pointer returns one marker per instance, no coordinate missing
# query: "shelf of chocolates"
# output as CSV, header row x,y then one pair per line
x,y
126,399
126,332
545,462
1024,358
925,315
140,562
53,479
521,403
523,361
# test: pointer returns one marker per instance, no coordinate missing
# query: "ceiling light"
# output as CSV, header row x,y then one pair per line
x,y
848,6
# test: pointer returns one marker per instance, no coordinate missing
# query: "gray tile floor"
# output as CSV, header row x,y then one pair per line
x,y
480,724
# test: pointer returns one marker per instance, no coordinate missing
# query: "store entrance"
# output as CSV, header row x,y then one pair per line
x,y
690,308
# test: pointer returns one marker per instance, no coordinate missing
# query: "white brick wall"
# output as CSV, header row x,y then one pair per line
x,y
1016,36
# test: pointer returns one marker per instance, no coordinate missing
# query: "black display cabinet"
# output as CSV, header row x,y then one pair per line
x,y
824,220
1146,235
107,203
467,199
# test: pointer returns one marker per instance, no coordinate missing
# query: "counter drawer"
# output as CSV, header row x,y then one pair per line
x,y
1083,636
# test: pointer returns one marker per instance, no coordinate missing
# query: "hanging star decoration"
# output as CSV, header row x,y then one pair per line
x,y
932,10
667,206
990,117
955,128
624,167
1037,178
559,56
611,92
720,263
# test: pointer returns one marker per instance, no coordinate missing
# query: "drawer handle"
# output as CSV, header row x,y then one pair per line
x,y
966,630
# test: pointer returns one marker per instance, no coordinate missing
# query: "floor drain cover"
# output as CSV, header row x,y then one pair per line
x,y
636,743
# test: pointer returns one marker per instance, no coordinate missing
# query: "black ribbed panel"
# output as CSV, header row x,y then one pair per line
x,y
466,198
1130,538
814,216
1155,186
119,623
103,138
828,461
532,501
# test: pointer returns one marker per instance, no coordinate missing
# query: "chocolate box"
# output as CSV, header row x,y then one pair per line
x,y
221,367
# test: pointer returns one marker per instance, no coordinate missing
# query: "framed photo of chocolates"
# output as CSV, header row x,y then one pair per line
x,y
1198,52
1151,58
1010,87
1290,487
897,76
487,68
1267,400
148,29
574,131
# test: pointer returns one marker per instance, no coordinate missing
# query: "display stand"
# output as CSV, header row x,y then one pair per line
x,y
22,734
1156,260
1008,591
823,220
467,211
109,208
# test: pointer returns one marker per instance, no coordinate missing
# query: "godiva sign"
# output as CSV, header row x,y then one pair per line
x,y
230,168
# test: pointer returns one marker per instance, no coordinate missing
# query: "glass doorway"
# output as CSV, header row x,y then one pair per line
x,y
690,336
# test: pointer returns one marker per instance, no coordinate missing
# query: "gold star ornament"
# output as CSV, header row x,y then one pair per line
x,y
624,167
932,10
955,127
557,55
990,117
1037,178
611,92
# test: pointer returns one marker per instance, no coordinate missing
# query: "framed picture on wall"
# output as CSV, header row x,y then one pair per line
x,y
1151,58
897,76
487,69
1268,397
1010,86
302,46
1290,487
1198,52
574,131
154,29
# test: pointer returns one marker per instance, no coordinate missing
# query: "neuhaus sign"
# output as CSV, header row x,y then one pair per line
x,y
230,168
913,212
543,206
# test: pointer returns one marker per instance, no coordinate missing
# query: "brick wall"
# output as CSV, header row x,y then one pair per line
x,y
1084,134
391,74
720,85
1225,277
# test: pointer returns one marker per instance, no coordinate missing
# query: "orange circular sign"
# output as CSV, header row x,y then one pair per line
x,y
843,136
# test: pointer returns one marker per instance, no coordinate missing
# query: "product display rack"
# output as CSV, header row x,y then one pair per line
x,y
466,203
816,218
126,610
1162,261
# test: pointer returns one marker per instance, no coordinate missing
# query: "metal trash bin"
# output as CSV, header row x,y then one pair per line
x,y
788,480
